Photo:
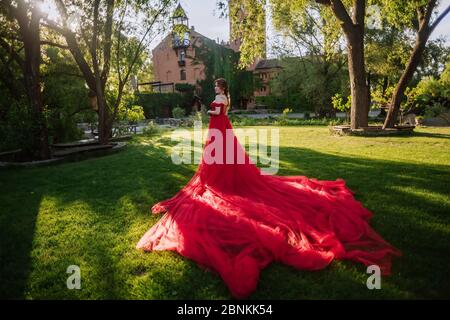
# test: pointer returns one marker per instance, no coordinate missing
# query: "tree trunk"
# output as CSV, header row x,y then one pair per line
x,y
425,29
30,33
406,77
369,95
104,117
358,86
384,88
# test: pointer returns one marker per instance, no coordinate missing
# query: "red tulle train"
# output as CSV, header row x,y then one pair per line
x,y
233,220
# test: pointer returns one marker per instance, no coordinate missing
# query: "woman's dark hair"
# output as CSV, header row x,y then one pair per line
x,y
222,83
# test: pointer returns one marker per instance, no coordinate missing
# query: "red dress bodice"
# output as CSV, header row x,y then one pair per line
x,y
215,104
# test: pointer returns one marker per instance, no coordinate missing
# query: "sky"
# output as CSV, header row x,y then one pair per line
x,y
204,16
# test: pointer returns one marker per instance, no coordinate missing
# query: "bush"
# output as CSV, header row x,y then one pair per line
x,y
431,96
178,112
338,103
283,119
435,110
132,114
237,121
159,104
151,129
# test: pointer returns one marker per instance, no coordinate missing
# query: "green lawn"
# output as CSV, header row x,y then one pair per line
x,y
92,213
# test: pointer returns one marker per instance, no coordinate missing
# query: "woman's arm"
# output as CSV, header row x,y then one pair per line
x,y
215,112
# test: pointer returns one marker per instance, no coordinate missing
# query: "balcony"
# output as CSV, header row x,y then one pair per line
x,y
181,63
177,43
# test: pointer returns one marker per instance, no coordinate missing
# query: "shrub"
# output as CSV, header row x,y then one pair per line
x,y
160,104
431,96
178,112
435,110
151,129
132,114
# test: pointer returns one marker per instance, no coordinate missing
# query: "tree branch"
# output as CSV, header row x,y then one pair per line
x,y
108,40
439,18
359,12
54,44
342,15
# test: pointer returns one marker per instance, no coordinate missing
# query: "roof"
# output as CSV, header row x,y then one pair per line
x,y
268,64
179,12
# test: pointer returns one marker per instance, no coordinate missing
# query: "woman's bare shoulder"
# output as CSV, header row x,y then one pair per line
x,y
221,98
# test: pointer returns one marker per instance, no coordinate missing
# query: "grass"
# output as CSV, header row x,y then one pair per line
x,y
92,213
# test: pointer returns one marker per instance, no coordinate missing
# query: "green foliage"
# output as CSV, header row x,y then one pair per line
x,y
300,83
184,87
160,104
18,130
64,94
221,62
283,121
435,110
303,20
251,30
400,13
132,114
386,52
286,112
178,112
284,118
277,102
201,116
151,129
339,104
380,99
431,96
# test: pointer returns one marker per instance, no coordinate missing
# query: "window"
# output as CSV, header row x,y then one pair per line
x,y
182,55
182,74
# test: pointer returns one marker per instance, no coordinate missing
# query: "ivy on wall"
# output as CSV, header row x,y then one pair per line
x,y
221,62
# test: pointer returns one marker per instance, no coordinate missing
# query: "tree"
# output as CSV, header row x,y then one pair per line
x,y
25,17
352,26
316,34
387,52
416,15
91,43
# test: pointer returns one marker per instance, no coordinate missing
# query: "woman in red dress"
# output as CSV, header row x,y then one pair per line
x,y
233,220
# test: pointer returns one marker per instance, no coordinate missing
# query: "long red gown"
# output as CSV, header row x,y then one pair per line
x,y
233,220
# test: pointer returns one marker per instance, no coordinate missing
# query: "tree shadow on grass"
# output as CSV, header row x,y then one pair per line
x,y
430,135
19,209
111,197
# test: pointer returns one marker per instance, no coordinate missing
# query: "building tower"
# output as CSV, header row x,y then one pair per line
x,y
180,34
